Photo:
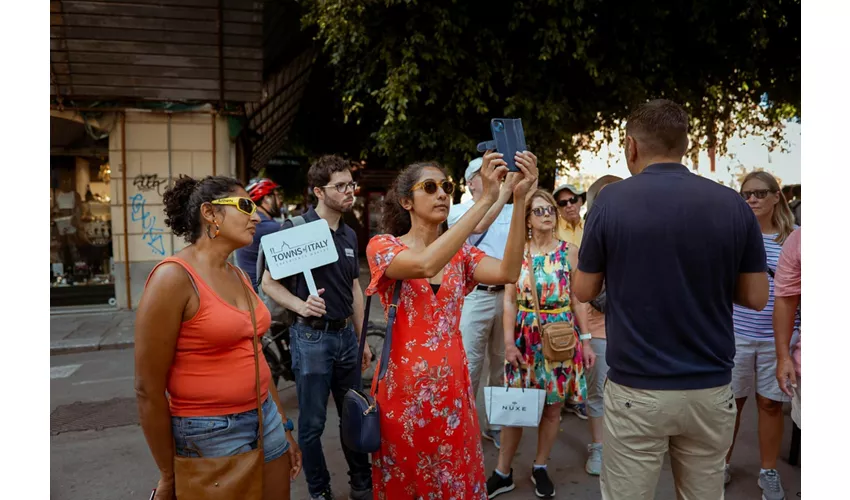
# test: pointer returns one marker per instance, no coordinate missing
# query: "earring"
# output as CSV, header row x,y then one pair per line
x,y
529,233
217,230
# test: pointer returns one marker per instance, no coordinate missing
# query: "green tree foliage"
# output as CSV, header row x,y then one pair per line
x,y
424,77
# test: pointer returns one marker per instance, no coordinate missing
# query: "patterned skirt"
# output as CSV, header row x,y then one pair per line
x,y
562,381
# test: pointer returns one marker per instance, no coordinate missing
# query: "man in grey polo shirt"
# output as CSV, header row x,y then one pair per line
x,y
481,318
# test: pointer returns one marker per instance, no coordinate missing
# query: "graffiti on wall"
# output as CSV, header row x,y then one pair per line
x,y
151,182
151,234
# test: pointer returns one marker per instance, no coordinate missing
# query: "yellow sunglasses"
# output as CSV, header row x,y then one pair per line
x,y
244,205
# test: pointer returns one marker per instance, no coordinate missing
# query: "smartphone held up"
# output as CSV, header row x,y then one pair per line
x,y
508,139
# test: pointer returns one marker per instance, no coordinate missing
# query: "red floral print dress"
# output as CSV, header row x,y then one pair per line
x,y
430,439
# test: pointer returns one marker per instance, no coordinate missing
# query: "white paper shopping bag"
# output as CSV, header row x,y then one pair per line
x,y
513,407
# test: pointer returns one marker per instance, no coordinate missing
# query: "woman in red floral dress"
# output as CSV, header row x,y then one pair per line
x,y
430,440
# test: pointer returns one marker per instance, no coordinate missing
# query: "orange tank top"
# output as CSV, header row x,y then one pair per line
x,y
213,369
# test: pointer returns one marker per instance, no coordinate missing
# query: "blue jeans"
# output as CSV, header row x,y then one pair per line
x,y
325,363
228,435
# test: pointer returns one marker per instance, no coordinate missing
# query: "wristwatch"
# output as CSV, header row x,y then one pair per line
x,y
288,425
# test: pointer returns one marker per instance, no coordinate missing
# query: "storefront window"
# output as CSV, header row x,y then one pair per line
x,y
80,232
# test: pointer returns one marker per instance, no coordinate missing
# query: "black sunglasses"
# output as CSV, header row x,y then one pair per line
x,y
430,186
760,194
568,201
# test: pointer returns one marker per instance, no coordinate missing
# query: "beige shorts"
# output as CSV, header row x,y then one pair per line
x,y
641,426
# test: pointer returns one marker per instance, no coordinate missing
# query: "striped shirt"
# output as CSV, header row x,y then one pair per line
x,y
759,324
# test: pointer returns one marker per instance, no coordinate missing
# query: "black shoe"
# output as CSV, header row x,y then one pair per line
x,y
361,494
543,486
497,484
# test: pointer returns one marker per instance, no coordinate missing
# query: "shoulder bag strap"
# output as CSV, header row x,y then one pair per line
x,y
250,298
536,300
388,338
533,281
363,338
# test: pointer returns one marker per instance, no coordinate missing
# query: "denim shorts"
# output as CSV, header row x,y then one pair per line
x,y
228,435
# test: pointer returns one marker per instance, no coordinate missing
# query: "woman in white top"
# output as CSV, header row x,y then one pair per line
x,y
755,357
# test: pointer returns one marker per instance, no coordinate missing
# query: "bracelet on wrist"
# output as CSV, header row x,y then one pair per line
x,y
585,336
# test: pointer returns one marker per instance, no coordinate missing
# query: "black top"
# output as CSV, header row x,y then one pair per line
x,y
671,245
435,287
336,278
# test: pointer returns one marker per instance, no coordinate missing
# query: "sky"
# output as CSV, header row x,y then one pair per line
x,y
749,153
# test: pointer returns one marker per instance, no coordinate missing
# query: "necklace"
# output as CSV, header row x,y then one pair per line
x,y
538,250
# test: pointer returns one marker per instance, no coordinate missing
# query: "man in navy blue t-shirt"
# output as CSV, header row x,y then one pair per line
x,y
675,251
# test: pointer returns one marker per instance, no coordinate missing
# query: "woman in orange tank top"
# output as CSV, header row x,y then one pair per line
x,y
194,341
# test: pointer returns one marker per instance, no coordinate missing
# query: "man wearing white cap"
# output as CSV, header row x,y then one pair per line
x,y
570,200
481,318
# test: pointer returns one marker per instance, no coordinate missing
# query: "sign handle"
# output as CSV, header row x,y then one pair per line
x,y
311,283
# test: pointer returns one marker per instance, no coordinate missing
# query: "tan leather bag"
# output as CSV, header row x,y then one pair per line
x,y
226,478
559,339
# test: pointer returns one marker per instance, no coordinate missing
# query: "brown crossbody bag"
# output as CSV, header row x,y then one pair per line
x,y
559,339
225,478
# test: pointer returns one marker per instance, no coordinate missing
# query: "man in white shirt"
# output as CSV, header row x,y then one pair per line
x,y
481,318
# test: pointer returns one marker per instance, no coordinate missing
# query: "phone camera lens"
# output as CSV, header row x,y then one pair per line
x,y
499,126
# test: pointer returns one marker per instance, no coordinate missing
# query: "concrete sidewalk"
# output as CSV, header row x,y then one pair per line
x,y
91,331
96,331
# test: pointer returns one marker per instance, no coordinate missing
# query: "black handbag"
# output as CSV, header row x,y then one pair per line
x,y
600,301
361,416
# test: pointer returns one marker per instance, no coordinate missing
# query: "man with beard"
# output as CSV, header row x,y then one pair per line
x,y
326,330
268,201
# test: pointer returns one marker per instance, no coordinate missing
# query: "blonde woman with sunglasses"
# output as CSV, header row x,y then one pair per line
x,y
430,437
551,261
193,340
755,349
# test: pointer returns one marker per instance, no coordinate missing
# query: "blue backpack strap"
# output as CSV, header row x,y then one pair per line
x,y
261,256
481,238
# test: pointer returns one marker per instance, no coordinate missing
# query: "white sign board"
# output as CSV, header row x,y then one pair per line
x,y
300,249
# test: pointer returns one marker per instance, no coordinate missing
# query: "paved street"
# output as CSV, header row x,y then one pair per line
x,y
114,463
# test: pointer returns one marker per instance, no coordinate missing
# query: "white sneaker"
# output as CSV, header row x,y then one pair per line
x,y
594,461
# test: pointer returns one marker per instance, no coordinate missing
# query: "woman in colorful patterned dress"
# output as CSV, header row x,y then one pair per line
x,y
552,262
430,439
